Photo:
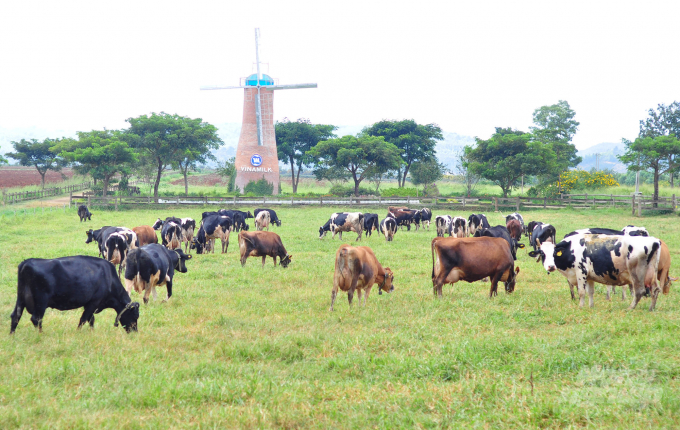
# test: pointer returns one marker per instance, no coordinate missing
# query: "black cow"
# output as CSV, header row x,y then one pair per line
x,y
542,232
84,213
272,216
238,218
212,227
153,265
502,232
68,283
93,236
370,223
426,217
477,222
200,243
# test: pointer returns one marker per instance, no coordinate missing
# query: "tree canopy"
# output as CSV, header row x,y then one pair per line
x,y
99,153
195,140
356,157
294,139
664,121
416,141
659,154
508,155
426,172
37,154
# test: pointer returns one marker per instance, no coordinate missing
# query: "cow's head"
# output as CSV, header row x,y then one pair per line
x,y
285,261
90,236
278,223
182,257
158,224
322,232
510,284
387,283
245,227
547,252
128,317
195,244
631,230
249,215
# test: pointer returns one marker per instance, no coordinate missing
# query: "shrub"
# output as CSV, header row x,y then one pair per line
x,y
259,188
399,192
574,180
347,190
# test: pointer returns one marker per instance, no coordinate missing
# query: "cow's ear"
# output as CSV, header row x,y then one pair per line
x,y
189,257
520,245
534,253
290,256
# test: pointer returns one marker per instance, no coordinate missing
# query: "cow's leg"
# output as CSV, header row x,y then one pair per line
x,y
244,257
334,293
610,290
360,237
169,285
368,290
340,236
571,290
263,258
147,292
494,284
16,315
352,288
274,257
581,287
37,318
636,298
359,294
153,291
655,295
591,290
87,316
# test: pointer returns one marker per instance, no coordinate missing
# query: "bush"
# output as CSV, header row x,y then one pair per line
x,y
347,190
399,192
259,188
574,180
431,190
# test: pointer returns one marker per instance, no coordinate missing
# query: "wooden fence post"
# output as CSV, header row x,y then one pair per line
x,y
495,203
518,203
545,202
673,202
633,204
115,202
639,202
463,202
88,200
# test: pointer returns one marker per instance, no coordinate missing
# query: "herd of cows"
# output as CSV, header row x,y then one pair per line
x,y
473,251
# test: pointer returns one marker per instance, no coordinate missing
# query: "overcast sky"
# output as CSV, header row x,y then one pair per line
x,y
467,66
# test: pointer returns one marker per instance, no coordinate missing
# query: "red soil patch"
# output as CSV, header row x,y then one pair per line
x,y
203,180
19,176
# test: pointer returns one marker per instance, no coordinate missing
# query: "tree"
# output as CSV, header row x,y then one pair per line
x,y
665,121
195,139
555,127
228,169
416,141
470,178
101,154
426,172
359,157
651,153
38,155
3,160
160,137
508,155
294,139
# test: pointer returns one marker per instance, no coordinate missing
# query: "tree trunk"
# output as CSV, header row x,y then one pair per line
x,y
297,181
292,174
42,178
105,187
186,180
399,184
356,184
656,187
158,179
403,182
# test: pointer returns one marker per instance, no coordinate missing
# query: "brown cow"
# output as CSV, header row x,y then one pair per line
x,y
356,268
515,229
472,259
262,244
145,234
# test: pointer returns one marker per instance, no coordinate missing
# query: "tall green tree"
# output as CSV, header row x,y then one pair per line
x,y
99,153
294,139
195,140
360,157
426,172
664,121
651,153
416,141
508,155
555,126
228,169
37,154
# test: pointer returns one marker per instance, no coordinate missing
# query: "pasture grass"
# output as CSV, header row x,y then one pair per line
x,y
258,348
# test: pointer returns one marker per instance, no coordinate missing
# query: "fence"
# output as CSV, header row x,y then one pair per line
x,y
10,198
636,203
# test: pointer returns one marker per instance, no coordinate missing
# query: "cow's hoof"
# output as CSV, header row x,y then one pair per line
x,y
146,301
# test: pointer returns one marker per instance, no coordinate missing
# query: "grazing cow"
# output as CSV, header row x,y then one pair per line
x,y
145,235
343,221
201,244
357,269
611,260
238,218
84,213
93,236
388,227
188,226
458,227
426,217
262,244
69,283
539,232
404,217
472,259
272,216
171,234
443,224
370,223
115,242
502,232
159,223
153,265
214,227
519,218
514,228
477,222
262,221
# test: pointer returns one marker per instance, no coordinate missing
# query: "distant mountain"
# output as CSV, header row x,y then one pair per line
x,y
608,152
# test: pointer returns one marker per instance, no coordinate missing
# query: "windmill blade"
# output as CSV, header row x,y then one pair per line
x,y
220,88
288,87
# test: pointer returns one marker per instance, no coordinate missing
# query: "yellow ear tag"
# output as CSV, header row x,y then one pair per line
x,y
559,253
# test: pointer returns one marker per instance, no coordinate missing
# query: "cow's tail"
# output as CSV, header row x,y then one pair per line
x,y
652,265
344,266
432,248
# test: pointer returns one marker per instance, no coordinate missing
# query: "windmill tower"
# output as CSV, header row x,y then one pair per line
x,y
256,152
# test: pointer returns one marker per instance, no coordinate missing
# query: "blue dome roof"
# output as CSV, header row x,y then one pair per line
x,y
266,80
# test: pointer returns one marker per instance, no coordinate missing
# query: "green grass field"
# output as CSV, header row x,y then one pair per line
x,y
258,348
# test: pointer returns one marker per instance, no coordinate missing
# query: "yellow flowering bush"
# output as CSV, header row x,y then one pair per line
x,y
575,180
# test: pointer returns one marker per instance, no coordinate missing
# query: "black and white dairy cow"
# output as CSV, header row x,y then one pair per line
x,y
93,236
343,221
477,222
70,283
171,231
539,232
84,213
610,260
272,216
425,217
152,265
213,227
388,227
238,218
443,224
115,243
519,218
370,223
502,232
458,227
188,226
